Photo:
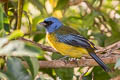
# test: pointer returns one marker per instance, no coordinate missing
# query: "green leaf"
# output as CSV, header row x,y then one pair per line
x,y
33,65
36,21
6,27
88,20
98,71
100,38
40,6
3,41
38,37
6,23
112,39
115,26
16,70
65,73
56,56
15,34
2,32
62,4
49,71
18,48
115,29
89,77
3,76
1,17
114,73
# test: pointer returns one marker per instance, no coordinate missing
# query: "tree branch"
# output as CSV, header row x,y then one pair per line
x,y
75,2
101,1
71,64
43,47
82,62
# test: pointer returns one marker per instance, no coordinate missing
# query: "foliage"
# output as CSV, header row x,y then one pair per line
x,y
97,20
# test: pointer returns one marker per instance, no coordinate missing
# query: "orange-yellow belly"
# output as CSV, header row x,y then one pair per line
x,y
65,49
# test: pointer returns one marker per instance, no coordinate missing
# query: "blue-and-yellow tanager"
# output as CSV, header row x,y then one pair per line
x,y
68,41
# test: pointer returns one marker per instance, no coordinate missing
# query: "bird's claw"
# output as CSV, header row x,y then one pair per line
x,y
67,59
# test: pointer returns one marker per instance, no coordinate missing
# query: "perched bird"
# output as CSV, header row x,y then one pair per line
x,y
68,41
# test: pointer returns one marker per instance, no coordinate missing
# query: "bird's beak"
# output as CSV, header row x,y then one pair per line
x,y
43,24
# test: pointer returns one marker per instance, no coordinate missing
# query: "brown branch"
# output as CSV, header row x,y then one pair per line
x,y
89,5
75,2
116,78
43,47
71,64
101,1
82,62
112,47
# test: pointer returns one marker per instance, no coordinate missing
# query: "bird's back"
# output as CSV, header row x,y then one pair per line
x,y
66,30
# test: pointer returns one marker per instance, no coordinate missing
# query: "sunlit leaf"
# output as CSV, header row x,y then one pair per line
x,y
58,14
40,6
3,76
1,17
62,4
19,48
15,34
3,41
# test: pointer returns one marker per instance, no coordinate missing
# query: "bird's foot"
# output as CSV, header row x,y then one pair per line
x,y
74,60
65,59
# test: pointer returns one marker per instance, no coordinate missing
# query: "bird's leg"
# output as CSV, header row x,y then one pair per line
x,y
67,59
74,60
63,58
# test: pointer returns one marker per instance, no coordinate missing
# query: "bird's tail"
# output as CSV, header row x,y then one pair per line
x,y
99,61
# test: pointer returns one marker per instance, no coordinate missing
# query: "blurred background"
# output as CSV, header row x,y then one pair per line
x,y
97,20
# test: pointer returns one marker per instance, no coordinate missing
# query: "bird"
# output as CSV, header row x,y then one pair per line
x,y
69,42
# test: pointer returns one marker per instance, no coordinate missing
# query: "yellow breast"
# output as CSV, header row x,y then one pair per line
x,y
65,49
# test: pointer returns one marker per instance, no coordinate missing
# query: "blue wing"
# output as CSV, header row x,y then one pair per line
x,y
75,40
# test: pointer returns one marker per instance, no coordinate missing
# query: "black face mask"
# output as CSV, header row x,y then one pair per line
x,y
48,23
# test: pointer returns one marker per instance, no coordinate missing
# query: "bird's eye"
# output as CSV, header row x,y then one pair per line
x,y
48,22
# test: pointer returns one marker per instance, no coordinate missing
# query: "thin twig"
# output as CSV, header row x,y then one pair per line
x,y
114,46
101,1
75,2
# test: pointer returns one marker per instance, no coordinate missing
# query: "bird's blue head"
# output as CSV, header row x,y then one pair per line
x,y
51,24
